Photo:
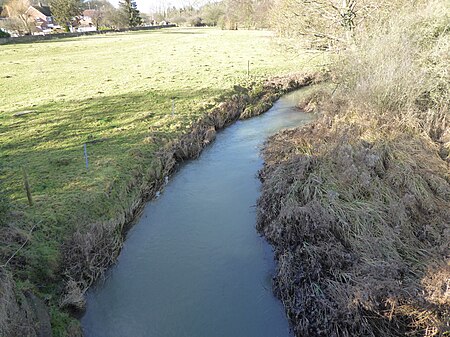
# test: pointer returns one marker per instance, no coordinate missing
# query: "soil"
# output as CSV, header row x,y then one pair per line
x,y
21,314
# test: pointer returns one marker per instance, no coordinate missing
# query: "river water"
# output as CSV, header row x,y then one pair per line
x,y
194,264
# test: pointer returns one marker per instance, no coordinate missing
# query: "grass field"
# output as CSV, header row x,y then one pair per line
x,y
115,93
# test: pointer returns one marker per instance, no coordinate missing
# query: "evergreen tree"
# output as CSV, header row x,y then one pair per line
x,y
65,12
129,8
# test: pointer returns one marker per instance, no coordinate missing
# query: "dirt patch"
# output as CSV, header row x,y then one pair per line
x,y
21,314
359,216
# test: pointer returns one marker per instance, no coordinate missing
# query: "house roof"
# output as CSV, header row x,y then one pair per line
x,y
44,10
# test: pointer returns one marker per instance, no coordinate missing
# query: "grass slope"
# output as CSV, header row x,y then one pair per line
x,y
113,92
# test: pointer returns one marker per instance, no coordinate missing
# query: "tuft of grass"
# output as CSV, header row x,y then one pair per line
x,y
359,217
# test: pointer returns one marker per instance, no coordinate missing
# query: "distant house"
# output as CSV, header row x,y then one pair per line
x,y
43,17
87,21
28,20
89,14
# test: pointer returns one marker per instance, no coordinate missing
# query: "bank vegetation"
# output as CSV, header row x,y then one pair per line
x,y
357,204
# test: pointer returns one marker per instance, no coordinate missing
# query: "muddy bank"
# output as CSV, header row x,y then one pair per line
x,y
21,314
358,213
91,250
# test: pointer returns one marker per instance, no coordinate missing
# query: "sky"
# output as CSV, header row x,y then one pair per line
x,y
148,6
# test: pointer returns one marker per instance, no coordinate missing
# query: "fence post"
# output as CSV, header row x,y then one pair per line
x,y
26,183
86,156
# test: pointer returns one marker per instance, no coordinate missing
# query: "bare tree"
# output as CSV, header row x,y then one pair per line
x,y
246,13
323,23
18,17
212,13
114,18
102,13
97,18
261,11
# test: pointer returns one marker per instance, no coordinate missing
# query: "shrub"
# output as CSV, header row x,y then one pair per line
x,y
357,204
397,66
195,21
4,34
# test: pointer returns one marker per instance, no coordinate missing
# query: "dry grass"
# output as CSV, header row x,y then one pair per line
x,y
360,218
398,69
357,204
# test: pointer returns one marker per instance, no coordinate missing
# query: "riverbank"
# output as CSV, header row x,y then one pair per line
x,y
359,219
357,204
93,247
91,250
190,266
125,113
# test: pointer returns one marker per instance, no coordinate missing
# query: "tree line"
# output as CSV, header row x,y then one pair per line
x,y
322,24
227,14
68,13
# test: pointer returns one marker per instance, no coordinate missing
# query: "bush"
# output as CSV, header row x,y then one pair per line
x,y
4,34
179,20
195,21
358,216
399,63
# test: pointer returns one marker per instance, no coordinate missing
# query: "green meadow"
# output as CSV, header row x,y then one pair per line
x,y
123,95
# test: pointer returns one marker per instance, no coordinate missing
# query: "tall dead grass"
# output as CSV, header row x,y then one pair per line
x,y
357,205
397,68
360,219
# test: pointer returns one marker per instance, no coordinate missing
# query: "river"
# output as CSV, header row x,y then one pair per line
x,y
194,264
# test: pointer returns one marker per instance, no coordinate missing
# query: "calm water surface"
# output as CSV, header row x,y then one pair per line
x,y
194,264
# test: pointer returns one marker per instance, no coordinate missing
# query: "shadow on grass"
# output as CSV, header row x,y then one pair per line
x,y
184,32
122,132
65,123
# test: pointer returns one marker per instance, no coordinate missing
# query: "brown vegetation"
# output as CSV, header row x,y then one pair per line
x,y
360,219
357,204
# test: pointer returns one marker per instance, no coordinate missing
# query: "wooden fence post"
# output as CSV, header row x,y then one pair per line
x,y
27,186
